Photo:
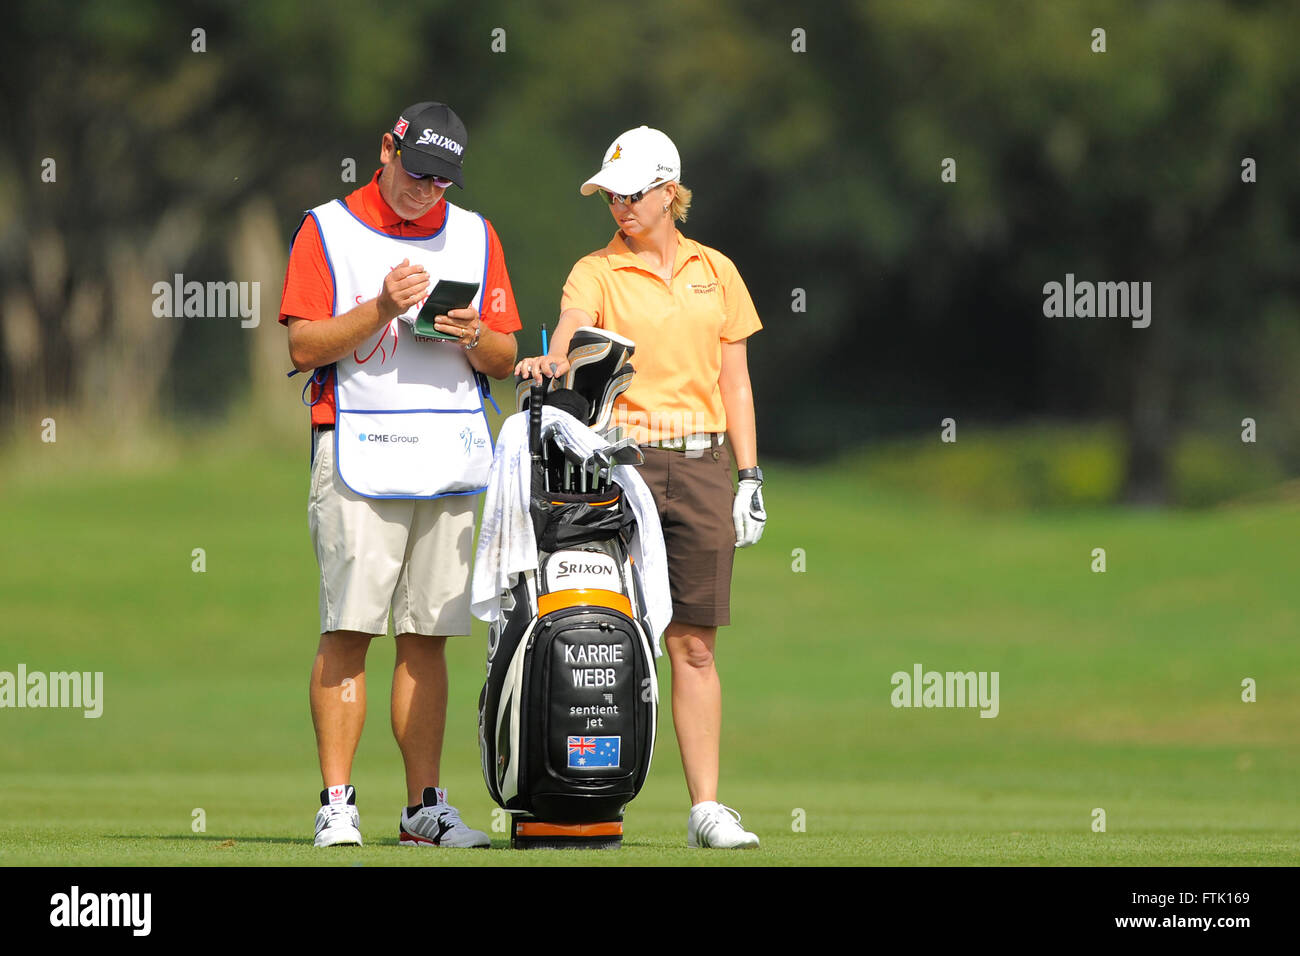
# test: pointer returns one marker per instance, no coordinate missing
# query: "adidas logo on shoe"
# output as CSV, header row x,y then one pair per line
x,y
338,823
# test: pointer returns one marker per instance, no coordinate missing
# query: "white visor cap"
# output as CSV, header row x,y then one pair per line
x,y
638,159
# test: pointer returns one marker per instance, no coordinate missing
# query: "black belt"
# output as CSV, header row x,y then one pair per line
x,y
324,428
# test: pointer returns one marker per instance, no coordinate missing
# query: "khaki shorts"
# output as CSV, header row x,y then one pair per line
x,y
693,491
380,555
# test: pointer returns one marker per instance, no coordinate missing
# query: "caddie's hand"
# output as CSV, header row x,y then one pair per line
x,y
549,365
462,323
404,287
747,512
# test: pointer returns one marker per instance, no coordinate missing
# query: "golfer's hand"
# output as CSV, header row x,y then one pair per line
x,y
403,287
460,323
548,365
747,512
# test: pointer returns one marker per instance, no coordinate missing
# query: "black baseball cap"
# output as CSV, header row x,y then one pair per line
x,y
432,139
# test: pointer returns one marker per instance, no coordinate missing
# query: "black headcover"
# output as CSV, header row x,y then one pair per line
x,y
567,400
598,372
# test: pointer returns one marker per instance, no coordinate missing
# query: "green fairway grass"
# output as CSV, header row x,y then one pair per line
x,y
1119,691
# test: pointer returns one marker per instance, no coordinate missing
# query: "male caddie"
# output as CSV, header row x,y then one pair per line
x,y
400,451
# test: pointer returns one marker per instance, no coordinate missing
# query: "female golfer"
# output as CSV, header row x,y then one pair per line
x,y
690,406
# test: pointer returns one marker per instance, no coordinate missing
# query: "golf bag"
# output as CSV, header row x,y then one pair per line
x,y
568,711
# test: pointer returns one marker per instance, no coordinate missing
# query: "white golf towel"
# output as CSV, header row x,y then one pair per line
x,y
507,545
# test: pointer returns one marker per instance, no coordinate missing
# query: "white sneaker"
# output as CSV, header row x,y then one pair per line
x,y
437,823
713,826
337,822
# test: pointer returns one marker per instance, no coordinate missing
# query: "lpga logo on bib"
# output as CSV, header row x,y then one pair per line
x,y
469,440
594,751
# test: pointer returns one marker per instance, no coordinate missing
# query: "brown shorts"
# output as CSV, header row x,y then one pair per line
x,y
693,491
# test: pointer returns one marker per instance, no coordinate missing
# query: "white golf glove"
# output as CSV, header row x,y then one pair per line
x,y
748,513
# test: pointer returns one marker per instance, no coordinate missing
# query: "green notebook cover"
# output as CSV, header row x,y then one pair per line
x,y
446,295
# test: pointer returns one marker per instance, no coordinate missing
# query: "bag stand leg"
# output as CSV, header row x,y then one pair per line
x,y
529,833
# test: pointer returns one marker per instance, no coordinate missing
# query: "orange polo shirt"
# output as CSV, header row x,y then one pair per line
x,y
309,285
678,327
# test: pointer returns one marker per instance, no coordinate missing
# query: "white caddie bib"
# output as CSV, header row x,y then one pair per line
x,y
410,419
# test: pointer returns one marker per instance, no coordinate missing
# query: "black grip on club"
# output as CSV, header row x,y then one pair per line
x,y
535,393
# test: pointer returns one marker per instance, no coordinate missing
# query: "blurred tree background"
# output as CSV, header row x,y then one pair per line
x,y
815,169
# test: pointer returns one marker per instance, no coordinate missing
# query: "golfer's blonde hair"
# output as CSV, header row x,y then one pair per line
x,y
681,203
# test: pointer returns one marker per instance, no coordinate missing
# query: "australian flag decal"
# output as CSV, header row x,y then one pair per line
x,y
593,751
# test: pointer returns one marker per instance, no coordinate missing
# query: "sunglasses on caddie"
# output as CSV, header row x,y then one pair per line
x,y
439,181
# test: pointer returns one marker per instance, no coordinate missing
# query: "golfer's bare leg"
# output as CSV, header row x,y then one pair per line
x,y
420,709
338,708
697,705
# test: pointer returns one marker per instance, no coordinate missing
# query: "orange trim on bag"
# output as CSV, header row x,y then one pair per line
x,y
580,597
569,829
592,504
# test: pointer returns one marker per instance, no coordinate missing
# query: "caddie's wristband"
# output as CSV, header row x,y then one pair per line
x,y
751,474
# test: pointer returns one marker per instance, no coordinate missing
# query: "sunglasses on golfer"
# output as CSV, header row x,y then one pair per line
x,y
439,181
612,198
